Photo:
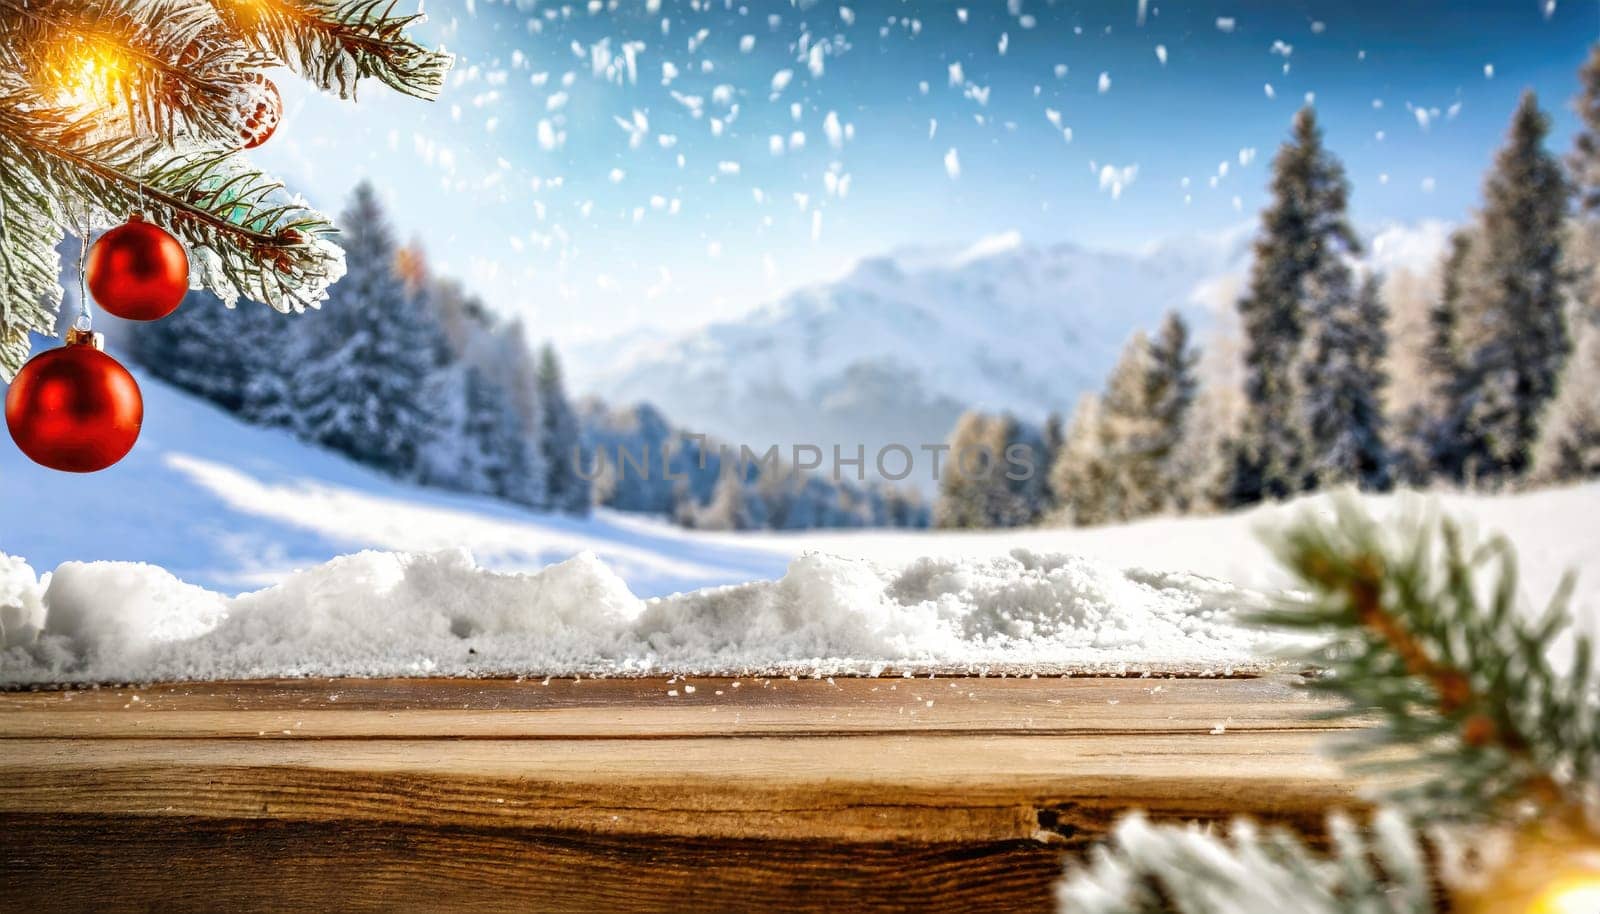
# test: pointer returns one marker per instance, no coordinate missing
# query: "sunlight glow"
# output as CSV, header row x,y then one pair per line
x,y
91,67
1571,895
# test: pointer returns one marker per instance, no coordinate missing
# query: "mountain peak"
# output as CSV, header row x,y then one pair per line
x,y
990,246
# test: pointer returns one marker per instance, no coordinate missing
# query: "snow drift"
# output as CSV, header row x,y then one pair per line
x,y
407,614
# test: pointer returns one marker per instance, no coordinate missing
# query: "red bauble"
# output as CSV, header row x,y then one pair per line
x,y
74,409
260,112
138,271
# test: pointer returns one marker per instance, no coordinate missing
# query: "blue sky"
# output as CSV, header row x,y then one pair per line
x,y
521,181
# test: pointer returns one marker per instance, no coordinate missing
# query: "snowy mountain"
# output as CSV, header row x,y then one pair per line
x,y
896,349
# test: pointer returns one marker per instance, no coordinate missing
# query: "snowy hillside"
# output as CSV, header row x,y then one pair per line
x,y
469,586
895,350
233,506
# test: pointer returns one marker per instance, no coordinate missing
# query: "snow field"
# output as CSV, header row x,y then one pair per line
x,y
398,614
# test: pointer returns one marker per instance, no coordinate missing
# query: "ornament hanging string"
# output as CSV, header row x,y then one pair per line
x,y
85,318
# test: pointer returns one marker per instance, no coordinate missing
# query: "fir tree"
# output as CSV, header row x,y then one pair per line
x,y
1343,377
510,365
197,348
1055,438
1022,479
1585,159
363,389
1434,436
494,458
1569,436
1079,476
1305,234
1512,333
961,491
236,357
1171,388
731,506
1132,441
443,460
993,476
559,442
1121,459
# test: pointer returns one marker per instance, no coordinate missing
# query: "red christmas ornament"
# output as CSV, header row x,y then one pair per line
x,y
74,409
261,111
138,271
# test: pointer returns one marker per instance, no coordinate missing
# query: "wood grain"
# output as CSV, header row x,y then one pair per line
x,y
855,794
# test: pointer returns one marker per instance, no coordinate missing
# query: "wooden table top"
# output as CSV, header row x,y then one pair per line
x,y
958,793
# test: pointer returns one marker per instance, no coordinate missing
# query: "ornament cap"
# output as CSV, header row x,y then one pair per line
x,y
77,336
136,216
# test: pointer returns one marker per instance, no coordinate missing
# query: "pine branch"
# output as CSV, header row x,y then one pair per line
x,y
166,63
30,295
1422,625
244,238
184,72
335,45
1152,869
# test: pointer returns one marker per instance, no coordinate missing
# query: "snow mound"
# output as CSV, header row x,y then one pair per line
x,y
439,613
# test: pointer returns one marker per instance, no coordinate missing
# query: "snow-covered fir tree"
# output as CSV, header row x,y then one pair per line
x,y
513,370
1585,160
731,506
962,495
1079,477
1343,376
902,506
1305,234
1172,385
198,348
1132,441
1511,334
993,475
444,459
1055,438
1122,458
1025,470
237,358
363,388
560,440
1569,435
495,456
629,444
1431,445
1568,448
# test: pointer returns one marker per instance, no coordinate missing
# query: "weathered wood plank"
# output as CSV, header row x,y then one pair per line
x,y
615,795
205,866
860,788
653,708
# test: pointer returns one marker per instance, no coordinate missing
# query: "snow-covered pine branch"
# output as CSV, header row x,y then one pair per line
x,y
1152,869
1482,733
1420,624
245,237
335,45
113,106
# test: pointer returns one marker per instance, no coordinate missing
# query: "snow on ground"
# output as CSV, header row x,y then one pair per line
x,y
392,614
234,507
454,585
1555,531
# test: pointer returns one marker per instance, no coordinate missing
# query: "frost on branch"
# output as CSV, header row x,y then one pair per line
x,y
1148,868
113,106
